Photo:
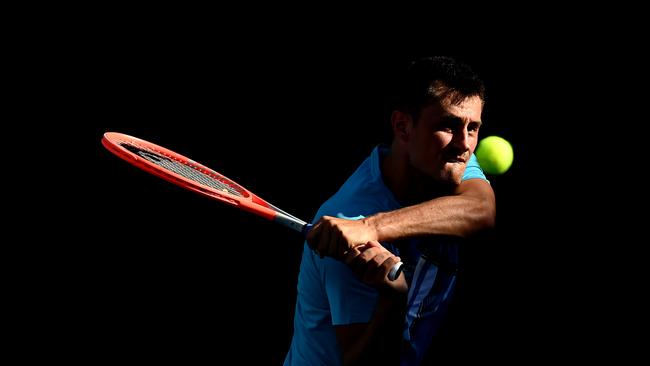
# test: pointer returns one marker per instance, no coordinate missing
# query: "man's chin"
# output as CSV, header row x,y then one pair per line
x,y
454,172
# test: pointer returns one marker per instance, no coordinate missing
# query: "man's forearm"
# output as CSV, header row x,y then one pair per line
x,y
470,210
452,215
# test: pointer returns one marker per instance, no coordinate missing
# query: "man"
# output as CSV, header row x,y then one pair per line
x,y
413,197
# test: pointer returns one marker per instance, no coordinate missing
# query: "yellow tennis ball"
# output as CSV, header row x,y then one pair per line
x,y
494,154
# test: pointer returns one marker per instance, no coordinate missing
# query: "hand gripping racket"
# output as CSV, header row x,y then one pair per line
x,y
178,169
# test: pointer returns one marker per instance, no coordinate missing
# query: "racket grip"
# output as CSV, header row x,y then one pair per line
x,y
307,228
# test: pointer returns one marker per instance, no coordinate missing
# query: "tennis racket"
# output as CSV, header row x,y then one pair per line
x,y
176,168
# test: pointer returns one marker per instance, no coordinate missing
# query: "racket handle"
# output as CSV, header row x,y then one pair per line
x,y
307,228
392,275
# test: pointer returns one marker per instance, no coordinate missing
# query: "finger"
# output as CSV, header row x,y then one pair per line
x,y
323,243
370,252
360,263
375,262
379,274
374,244
314,232
351,255
374,266
342,245
333,243
314,236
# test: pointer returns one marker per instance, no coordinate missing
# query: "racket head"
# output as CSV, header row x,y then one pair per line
x,y
184,172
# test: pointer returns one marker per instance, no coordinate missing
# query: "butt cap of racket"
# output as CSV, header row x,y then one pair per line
x,y
395,271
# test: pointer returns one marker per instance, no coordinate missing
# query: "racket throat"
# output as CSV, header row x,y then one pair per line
x,y
289,221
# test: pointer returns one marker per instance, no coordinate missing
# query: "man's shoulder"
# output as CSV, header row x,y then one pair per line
x,y
353,202
473,169
362,194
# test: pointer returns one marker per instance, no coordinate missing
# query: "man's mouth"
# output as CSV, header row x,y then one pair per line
x,y
456,159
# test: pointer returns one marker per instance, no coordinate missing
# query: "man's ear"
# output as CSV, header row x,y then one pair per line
x,y
400,122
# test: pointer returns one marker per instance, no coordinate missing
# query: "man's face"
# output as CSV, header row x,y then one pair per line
x,y
444,137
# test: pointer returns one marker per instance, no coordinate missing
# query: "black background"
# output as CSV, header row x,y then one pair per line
x,y
171,269
147,270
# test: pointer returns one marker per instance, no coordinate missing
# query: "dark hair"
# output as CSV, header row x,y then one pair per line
x,y
436,78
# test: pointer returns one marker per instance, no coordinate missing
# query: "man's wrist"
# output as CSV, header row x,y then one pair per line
x,y
373,224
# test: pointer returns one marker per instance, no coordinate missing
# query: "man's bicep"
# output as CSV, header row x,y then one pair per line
x,y
347,335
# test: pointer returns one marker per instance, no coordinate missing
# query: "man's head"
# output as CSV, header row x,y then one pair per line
x,y
437,117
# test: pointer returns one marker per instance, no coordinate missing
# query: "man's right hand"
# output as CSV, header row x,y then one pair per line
x,y
335,237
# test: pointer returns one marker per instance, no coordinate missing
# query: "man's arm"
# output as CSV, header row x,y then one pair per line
x,y
378,341
470,210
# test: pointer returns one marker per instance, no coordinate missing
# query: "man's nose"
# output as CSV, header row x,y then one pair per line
x,y
461,140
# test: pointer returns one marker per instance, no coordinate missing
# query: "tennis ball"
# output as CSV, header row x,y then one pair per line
x,y
494,154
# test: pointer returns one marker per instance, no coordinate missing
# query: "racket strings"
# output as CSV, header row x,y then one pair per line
x,y
184,169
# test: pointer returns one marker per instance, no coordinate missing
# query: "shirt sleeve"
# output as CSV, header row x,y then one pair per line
x,y
473,170
350,300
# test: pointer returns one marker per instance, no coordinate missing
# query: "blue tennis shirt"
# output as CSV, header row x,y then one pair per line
x,y
329,293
